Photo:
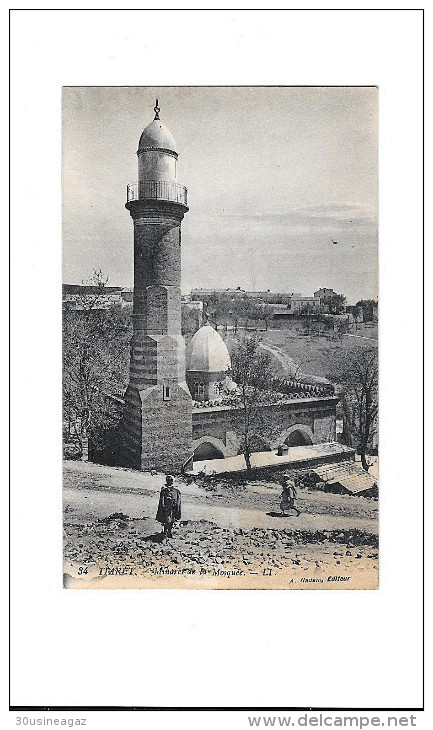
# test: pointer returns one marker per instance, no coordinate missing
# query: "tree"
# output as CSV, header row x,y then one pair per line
x,y
295,371
267,313
237,309
95,364
190,320
341,327
219,307
368,307
306,309
336,303
252,371
356,372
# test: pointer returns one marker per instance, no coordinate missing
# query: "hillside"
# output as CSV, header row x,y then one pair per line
x,y
294,354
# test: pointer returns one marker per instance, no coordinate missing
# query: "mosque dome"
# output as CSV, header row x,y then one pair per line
x,y
156,136
207,351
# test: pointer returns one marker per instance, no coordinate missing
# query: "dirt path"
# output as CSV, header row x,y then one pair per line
x,y
102,503
230,536
100,491
290,367
360,337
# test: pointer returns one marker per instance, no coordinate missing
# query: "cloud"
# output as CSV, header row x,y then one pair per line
x,y
298,220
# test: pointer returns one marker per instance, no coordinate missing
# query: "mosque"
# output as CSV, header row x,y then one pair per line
x,y
178,407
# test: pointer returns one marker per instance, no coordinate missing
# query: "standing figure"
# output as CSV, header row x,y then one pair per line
x,y
169,507
288,496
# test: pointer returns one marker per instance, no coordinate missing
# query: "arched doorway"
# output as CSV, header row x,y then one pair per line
x,y
297,435
207,450
298,438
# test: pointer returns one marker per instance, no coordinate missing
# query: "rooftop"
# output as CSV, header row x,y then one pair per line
x,y
207,351
350,475
296,456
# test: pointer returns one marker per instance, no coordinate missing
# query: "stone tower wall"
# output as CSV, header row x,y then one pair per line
x,y
158,406
157,255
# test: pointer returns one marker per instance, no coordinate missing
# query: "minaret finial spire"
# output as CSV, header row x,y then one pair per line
x,y
157,110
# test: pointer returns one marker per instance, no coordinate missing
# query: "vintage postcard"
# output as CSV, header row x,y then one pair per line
x,y
220,337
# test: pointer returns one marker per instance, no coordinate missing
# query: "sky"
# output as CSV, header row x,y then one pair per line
x,y
273,175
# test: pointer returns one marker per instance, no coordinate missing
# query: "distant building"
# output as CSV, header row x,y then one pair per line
x,y
329,300
194,305
269,297
324,293
81,297
281,312
205,293
127,295
265,297
304,305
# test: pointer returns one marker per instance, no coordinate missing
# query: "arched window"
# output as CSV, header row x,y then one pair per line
x,y
200,389
216,388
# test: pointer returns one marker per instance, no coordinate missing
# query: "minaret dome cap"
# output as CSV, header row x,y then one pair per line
x,y
156,136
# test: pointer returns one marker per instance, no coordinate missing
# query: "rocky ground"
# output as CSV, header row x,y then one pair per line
x,y
230,535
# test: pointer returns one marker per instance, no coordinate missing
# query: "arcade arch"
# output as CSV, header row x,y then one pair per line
x,y
297,435
209,447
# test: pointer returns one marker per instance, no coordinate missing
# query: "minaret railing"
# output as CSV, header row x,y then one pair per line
x,y
157,190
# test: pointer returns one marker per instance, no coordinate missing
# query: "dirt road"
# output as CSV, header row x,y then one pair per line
x,y
290,367
235,529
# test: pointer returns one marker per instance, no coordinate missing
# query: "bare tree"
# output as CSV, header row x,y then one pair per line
x,y
252,371
95,362
296,373
356,372
267,313
239,309
190,320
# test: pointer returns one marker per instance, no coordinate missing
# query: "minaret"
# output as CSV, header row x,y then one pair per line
x,y
158,406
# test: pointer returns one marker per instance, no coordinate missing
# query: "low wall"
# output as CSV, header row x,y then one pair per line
x,y
222,427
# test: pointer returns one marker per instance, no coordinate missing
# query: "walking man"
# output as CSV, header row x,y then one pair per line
x,y
288,496
169,507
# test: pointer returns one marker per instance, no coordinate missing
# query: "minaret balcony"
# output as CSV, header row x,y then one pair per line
x,y
157,190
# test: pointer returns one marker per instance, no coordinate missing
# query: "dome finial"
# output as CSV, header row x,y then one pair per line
x,y
157,110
